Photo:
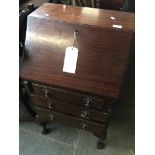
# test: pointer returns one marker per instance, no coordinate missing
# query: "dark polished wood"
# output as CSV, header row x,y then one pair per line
x,y
79,111
68,96
95,71
94,127
85,16
83,99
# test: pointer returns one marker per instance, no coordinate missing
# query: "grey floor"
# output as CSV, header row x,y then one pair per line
x,y
64,140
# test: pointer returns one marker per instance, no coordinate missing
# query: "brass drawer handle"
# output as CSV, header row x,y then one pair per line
x,y
83,125
51,116
84,114
46,92
50,106
36,116
88,101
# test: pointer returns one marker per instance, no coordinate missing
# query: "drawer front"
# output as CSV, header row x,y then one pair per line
x,y
49,115
72,109
68,96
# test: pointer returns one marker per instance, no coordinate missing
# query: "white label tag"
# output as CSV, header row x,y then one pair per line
x,y
70,60
117,26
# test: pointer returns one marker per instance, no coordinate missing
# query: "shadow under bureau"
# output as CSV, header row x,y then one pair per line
x,y
100,43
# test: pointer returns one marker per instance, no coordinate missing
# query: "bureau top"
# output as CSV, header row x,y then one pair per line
x,y
88,16
99,64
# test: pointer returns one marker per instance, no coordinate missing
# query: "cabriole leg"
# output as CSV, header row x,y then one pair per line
x,y
102,140
44,129
41,122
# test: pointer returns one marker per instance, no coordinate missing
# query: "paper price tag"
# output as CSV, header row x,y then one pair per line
x,y
70,60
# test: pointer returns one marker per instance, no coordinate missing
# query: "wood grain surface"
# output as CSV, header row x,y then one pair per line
x,y
103,50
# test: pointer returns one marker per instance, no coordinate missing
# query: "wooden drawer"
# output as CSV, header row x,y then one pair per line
x,y
72,109
49,115
68,96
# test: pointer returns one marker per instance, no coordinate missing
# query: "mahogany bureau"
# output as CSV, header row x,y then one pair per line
x,y
74,64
